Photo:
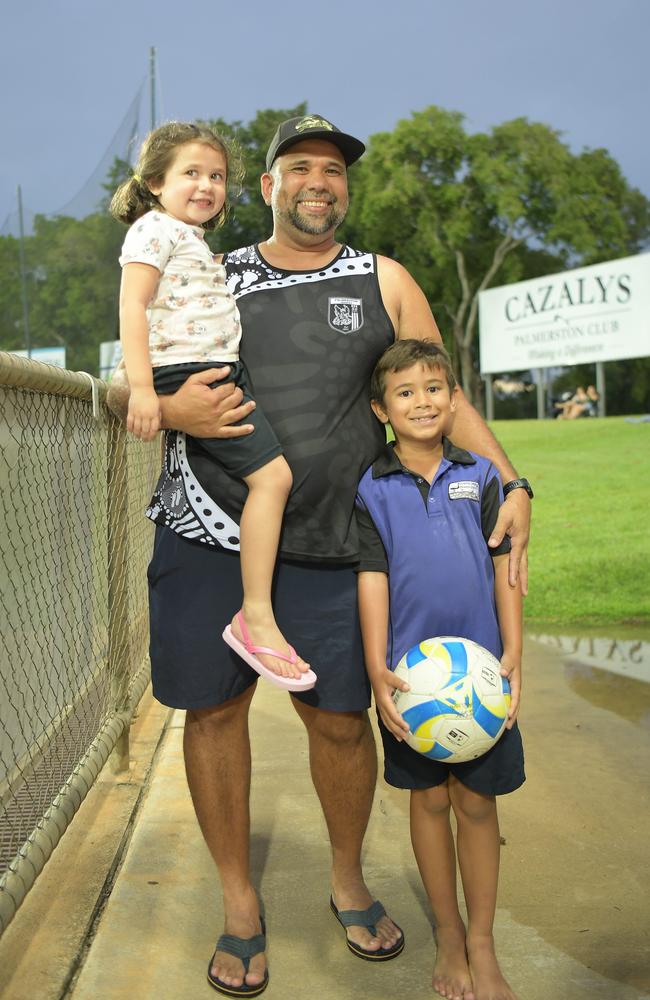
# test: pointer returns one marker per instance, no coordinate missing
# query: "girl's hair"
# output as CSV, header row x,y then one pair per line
x,y
133,197
405,353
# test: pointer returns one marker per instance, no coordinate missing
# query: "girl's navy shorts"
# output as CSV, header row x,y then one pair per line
x,y
194,591
239,456
497,772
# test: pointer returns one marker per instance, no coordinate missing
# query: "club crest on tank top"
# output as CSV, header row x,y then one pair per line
x,y
310,341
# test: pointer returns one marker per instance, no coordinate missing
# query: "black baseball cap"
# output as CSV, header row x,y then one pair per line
x,y
312,127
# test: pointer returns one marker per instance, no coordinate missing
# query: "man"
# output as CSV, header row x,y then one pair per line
x,y
316,315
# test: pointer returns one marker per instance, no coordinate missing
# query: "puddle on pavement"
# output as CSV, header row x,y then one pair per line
x,y
609,671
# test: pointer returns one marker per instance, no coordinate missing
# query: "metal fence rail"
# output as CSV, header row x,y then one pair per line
x,y
74,546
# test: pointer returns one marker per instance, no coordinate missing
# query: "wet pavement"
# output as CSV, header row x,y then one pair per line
x,y
128,904
608,668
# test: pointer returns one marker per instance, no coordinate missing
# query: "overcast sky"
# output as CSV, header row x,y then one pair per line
x,y
70,69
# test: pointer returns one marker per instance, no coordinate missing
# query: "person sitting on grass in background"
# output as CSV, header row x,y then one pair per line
x,y
425,511
581,404
177,317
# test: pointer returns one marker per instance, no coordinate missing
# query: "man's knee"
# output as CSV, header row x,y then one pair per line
x,y
347,729
233,712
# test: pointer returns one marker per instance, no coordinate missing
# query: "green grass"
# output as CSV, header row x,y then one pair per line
x,y
590,544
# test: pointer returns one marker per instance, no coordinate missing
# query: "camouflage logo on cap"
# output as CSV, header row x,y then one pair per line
x,y
312,121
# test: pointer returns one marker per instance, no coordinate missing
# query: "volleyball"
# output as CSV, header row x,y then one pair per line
x,y
457,705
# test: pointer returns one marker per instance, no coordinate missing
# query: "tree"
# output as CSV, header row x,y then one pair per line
x,y
73,279
250,220
461,211
12,334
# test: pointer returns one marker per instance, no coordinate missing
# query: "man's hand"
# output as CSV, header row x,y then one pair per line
x,y
383,688
204,412
511,669
514,521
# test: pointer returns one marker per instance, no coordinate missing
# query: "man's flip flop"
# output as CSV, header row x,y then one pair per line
x,y
247,651
243,948
367,918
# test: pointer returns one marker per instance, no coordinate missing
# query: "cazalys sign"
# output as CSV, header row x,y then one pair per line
x,y
595,313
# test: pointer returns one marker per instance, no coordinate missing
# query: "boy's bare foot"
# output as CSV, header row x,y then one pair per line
x,y
451,975
487,977
263,631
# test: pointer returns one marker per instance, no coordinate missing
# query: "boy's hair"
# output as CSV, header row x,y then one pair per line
x,y
404,354
133,197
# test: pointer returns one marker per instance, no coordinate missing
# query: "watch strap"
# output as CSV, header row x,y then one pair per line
x,y
518,484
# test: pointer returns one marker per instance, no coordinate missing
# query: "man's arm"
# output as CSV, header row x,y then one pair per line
x,y
411,316
195,408
509,611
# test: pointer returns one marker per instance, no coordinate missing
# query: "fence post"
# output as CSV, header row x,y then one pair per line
x,y
118,622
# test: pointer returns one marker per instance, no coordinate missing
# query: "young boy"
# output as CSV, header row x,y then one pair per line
x,y
425,510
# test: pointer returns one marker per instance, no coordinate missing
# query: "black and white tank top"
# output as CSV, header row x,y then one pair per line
x,y
310,341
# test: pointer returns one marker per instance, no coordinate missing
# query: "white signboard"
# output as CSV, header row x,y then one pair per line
x,y
110,352
48,355
595,313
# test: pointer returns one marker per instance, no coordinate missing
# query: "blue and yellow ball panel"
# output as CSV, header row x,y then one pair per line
x,y
425,715
415,655
490,722
438,752
450,656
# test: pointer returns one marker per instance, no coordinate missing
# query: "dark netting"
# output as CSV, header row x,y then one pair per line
x,y
123,146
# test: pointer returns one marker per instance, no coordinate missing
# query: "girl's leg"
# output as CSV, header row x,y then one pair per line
x,y
433,844
259,536
478,856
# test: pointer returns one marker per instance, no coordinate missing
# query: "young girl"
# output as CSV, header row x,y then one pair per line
x,y
176,318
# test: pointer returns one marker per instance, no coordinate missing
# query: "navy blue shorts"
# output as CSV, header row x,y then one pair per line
x,y
499,771
194,591
240,456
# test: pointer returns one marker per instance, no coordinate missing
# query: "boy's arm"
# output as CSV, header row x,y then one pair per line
x,y
509,611
373,615
138,286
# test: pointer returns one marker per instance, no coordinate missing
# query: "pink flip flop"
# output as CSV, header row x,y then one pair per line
x,y
247,651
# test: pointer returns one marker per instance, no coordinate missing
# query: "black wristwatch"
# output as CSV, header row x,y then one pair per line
x,y
518,484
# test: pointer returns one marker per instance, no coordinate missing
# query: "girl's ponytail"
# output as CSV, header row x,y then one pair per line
x,y
131,200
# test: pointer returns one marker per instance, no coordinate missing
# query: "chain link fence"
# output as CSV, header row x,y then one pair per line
x,y
74,546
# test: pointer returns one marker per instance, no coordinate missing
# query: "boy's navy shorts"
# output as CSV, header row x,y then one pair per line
x,y
194,591
497,772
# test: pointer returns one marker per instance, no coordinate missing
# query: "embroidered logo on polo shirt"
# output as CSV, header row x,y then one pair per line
x,y
345,315
466,490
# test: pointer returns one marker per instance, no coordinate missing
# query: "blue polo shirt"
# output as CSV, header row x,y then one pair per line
x,y
431,540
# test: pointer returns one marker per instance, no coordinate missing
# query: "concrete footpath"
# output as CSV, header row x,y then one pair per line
x,y
128,905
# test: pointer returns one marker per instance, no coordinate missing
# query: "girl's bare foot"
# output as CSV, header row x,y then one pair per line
x,y
451,974
263,631
487,977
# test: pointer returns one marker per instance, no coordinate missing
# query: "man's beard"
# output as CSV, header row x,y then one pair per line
x,y
315,227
